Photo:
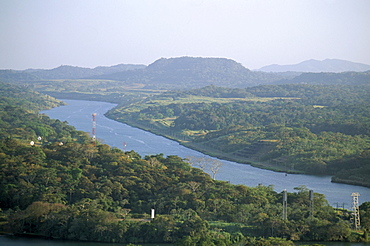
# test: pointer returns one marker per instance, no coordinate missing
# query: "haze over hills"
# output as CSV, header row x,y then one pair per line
x,y
16,76
315,66
62,72
193,72
71,72
197,72
164,73
345,78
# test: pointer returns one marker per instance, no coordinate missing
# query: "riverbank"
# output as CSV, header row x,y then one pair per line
x,y
78,113
206,150
226,156
349,182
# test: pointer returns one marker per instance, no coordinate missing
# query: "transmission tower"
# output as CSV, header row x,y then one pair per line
x,y
285,204
93,132
356,212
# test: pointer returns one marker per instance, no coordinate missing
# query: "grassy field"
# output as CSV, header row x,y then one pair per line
x,y
163,101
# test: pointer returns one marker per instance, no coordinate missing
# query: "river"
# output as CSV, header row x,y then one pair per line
x,y
79,114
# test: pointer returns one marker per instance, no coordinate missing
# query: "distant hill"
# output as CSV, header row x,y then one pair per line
x,y
345,78
190,72
62,72
10,76
71,72
315,66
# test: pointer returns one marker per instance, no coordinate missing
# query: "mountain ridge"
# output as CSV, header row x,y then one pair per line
x,y
75,72
315,66
191,72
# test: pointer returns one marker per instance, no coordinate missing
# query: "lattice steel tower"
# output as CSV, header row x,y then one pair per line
x,y
356,212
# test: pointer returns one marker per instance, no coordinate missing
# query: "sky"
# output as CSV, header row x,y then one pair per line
x,y
90,33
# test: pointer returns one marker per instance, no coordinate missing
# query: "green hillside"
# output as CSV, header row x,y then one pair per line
x,y
344,78
71,72
11,76
66,187
111,83
315,129
12,95
193,72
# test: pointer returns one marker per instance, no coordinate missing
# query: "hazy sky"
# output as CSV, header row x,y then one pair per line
x,y
255,33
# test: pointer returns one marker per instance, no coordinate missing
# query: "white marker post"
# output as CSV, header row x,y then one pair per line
x,y
152,213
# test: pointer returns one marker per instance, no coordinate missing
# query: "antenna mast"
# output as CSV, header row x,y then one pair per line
x,y
93,132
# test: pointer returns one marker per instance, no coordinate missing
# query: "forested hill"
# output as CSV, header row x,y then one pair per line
x,y
345,78
172,73
66,187
315,66
71,72
62,72
190,72
19,118
316,129
16,76
16,96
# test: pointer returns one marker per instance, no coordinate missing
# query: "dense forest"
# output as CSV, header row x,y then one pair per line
x,y
317,129
64,186
56,183
25,98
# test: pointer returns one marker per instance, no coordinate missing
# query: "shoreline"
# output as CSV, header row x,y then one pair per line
x,y
210,152
226,157
223,156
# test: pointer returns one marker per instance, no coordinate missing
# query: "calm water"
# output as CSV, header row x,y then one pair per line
x,y
79,114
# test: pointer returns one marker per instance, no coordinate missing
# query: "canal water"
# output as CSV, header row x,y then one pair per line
x,y
79,114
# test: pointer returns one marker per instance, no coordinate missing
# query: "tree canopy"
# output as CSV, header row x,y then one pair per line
x,y
317,129
64,186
